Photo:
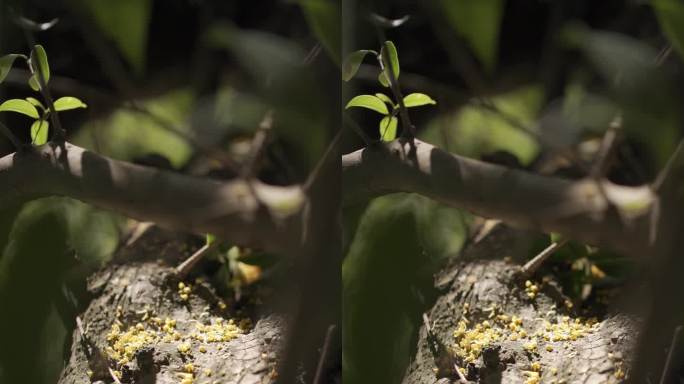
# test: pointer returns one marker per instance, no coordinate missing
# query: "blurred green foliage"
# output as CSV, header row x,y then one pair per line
x,y
400,242
126,23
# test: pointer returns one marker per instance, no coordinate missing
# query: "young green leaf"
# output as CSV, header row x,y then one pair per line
x,y
417,99
20,106
68,102
6,64
210,239
39,62
370,102
392,61
384,98
39,132
352,63
33,83
35,102
388,128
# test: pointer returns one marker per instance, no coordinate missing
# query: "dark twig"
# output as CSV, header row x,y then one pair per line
x,y
348,121
671,354
259,143
533,265
7,133
330,151
186,266
318,379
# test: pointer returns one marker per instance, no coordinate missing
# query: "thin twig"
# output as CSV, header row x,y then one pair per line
x,y
461,378
663,175
606,150
317,169
113,375
671,355
318,379
531,266
7,133
357,129
259,143
186,266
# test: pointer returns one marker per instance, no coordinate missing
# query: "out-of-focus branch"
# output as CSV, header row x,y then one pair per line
x,y
576,209
270,219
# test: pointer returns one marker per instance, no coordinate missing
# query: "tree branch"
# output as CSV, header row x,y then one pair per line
x,y
576,209
227,209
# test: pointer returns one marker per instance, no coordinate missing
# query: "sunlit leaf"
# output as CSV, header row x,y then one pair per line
x,y
384,98
35,102
210,238
670,14
19,106
323,17
388,23
6,64
39,132
478,22
388,128
33,83
126,23
390,59
68,102
370,102
35,26
417,99
352,63
39,63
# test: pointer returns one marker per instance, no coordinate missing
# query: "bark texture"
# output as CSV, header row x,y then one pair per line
x,y
479,281
139,285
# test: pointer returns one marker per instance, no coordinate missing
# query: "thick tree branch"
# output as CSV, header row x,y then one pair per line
x,y
576,209
227,209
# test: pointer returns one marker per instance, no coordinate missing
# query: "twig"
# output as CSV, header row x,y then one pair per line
x,y
7,133
258,144
671,355
357,129
186,266
461,378
606,151
531,266
113,375
663,175
318,379
317,169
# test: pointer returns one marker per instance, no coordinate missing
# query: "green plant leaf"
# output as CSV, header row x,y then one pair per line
x,y
384,98
478,23
670,14
35,102
389,49
352,63
370,102
39,132
33,83
388,128
6,64
125,23
39,62
68,102
417,99
324,19
20,106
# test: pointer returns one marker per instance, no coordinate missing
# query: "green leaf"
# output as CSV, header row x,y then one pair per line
x,y
388,128
6,64
35,102
670,14
417,99
392,61
68,102
324,19
352,63
370,102
384,98
210,239
33,83
125,23
39,62
20,106
39,132
478,23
